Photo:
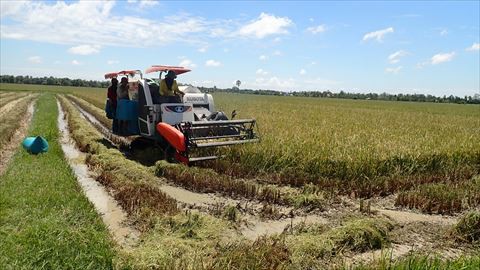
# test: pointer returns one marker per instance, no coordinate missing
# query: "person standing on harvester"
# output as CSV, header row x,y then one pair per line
x,y
112,97
169,88
122,93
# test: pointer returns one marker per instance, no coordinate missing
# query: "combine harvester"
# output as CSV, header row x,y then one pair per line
x,y
180,128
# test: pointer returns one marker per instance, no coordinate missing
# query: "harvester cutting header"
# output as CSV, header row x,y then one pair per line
x,y
177,121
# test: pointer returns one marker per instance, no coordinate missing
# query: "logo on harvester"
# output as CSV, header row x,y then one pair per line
x,y
178,109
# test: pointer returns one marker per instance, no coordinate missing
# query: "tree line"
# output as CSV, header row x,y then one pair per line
x,y
52,81
316,94
475,99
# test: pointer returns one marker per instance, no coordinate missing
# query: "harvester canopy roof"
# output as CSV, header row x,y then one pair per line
x,y
123,72
157,68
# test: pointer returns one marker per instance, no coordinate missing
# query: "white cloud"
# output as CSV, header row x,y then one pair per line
x,y
474,47
11,7
317,29
302,71
277,53
143,3
187,63
212,63
437,59
441,58
261,72
113,62
85,49
263,57
444,32
277,39
35,59
202,49
395,57
275,83
148,3
378,35
394,70
75,63
266,25
226,50
76,22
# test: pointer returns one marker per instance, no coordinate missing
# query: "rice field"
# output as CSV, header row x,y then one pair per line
x,y
333,184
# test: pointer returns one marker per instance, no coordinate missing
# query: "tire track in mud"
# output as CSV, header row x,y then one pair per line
x,y
110,211
10,148
251,225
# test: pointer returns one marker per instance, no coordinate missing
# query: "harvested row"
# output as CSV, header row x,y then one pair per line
x,y
131,185
95,111
4,100
464,166
4,94
442,198
11,120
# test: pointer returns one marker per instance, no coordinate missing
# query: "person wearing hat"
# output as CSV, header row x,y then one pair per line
x,y
169,88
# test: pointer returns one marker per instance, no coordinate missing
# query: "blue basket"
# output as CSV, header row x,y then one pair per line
x,y
35,145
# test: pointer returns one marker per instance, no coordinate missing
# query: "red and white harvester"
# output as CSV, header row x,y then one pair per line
x,y
182,127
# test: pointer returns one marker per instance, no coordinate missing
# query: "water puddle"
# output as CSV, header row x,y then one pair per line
x,y
112,214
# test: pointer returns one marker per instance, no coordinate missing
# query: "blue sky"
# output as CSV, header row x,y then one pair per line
x,y
409,47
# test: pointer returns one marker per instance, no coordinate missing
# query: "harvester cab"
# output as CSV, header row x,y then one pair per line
x,y
183,125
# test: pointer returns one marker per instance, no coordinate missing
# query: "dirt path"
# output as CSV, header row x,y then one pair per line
x,y
7,152
112,214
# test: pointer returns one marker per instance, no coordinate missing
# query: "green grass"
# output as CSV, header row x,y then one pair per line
x,y
467,228
45,220
422,262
